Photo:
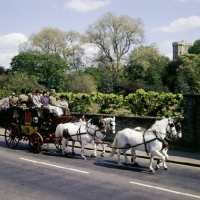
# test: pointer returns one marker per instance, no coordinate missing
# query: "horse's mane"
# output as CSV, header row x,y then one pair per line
x,y
157,124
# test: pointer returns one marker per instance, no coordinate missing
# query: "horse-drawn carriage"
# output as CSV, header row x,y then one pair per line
x,y
38,131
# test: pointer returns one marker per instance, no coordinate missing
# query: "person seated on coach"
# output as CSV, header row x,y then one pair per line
x,y
44,99
22,98
64,105
53,104
30,96
37,99
13,100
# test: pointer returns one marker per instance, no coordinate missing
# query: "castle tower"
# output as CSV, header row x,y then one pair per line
x,y
180,48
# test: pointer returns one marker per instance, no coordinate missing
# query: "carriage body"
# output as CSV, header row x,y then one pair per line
x,y
38,131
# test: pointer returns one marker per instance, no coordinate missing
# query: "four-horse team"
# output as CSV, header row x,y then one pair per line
x,y
62,128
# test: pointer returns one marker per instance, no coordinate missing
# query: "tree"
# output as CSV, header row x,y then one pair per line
x,y
15,81
114,36
195,48
146,66
188,75
54,41
169,76
49,68
2,70
78,82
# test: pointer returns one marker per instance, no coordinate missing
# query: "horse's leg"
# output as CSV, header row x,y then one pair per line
x,y
125,156
64,146
82,149
104,150
164,153
94,154
118,154
151,162
133,153
73,143
154,153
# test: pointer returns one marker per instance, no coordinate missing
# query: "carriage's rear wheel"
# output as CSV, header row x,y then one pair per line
x,y
12,135
59,145
35,142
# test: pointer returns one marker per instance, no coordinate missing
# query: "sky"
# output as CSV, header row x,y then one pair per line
x,y
165,21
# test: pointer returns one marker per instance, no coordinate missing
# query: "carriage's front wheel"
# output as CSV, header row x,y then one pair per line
x,y
35,142
12,135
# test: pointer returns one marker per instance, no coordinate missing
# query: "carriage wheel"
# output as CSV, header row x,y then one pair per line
x,y
59,145
12,136
35,142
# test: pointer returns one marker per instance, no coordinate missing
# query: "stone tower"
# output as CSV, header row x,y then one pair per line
x,y
180,48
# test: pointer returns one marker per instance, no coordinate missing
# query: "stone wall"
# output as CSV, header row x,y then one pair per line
x,y
191,124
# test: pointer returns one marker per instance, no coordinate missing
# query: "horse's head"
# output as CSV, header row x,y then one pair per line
x,y
171,129
100,123
177,123
110,124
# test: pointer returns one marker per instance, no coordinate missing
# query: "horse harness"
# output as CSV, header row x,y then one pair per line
x,y
164,141
78,133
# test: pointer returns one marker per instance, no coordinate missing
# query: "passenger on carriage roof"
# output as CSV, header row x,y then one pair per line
x,y
13,100
64,105
37,99
44,99
23,98
53,104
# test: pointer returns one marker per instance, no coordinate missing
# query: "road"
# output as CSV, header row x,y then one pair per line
x,y
50,175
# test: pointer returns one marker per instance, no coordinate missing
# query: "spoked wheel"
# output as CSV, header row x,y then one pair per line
x,y
59,145
12,136
35,142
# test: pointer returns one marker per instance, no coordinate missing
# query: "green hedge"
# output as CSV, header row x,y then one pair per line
x,y
140,103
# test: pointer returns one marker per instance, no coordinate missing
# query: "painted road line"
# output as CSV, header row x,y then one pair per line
x,y
159,188
43,163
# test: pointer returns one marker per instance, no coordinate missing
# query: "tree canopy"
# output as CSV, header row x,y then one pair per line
x,y
195,48
114,36
50,69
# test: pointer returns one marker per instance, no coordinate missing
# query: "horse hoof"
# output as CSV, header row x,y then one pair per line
x,y
152,171
102,155
121,166
131,159
65,154
166,169
157,167
135,164
84,158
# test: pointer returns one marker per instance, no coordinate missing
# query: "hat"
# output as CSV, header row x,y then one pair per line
x,y
44,92
37,91
62,96
52,91
13,93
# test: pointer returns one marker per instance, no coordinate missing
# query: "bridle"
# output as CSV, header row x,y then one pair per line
x,y
111,123
101,125
169,134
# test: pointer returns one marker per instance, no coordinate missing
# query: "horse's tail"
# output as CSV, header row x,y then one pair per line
x,y
57,134
114,146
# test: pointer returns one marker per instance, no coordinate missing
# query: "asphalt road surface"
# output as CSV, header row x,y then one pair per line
x,y
50,175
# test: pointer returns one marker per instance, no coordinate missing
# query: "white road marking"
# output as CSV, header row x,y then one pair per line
x,y
158,188
76,170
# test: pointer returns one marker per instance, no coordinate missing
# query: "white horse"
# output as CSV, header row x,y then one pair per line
x,y
150,141
95,127
110,126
